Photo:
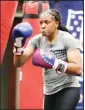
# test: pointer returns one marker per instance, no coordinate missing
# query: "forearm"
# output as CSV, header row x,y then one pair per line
x,y
74,69
19,60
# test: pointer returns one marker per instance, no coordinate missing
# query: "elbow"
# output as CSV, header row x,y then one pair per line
x,y
17,65
79,71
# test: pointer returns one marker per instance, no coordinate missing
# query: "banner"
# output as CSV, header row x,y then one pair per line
x,y
72,18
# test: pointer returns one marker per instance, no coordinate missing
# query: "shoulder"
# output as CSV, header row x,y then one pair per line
x,y
36,37
69,41
34,41
66,36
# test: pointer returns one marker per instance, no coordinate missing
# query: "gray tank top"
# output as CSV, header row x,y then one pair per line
x,y
52,81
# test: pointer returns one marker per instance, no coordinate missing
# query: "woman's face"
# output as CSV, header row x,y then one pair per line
x,y
48,24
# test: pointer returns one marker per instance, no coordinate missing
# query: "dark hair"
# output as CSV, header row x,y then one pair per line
x,y
57,16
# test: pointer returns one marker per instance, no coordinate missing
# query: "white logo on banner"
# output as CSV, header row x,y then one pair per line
x,y
75,27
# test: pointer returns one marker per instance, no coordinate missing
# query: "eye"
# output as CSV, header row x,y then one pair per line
x,y
41,22
47,22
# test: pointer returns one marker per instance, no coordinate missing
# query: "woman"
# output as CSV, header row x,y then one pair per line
x,y
62,89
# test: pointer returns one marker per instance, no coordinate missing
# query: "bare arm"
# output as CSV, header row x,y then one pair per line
x,y
19,60
74,62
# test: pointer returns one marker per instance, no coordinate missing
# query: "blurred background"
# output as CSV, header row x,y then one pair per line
x,y
22,88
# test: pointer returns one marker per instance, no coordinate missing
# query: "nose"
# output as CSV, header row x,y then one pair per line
x,y
43,25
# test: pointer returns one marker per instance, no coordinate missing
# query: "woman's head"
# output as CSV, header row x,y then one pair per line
x,y
49,22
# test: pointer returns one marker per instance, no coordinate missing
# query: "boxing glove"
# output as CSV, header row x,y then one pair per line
x,y
20,33
46,59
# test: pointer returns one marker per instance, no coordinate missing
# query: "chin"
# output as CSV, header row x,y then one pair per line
x,y
45,34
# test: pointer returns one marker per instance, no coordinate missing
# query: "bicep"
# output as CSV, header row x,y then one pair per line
x,y
73,56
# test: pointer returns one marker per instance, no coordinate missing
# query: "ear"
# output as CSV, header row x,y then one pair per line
x,y
57,24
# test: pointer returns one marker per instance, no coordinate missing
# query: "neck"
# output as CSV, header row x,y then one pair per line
x,y
52,38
